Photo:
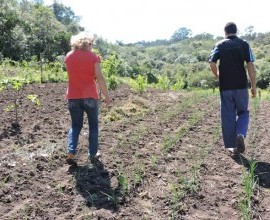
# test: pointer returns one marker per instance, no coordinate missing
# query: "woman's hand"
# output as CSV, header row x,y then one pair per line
x,y
107,101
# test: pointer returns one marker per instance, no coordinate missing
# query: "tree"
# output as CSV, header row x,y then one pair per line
x,y
8,19
181,34
263,38
203,36
249,33
45,29
102,46
38,2
28,28
67,17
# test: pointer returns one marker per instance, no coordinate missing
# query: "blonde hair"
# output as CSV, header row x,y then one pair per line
x,y
81,41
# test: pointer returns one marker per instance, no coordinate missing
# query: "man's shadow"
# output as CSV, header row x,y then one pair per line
x,y
261,171
93,183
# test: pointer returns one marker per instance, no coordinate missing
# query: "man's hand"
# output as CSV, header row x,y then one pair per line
x,y
214,69
251,73
253,92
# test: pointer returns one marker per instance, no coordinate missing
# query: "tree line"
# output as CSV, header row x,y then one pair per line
x,y
32,31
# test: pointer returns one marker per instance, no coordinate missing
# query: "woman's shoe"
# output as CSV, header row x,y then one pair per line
x,y
71,159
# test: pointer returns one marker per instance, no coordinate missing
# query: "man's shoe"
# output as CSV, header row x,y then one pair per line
x,y
233,150
71,159
240,143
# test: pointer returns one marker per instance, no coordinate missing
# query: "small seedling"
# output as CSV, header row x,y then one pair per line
x,y
123,183
111,197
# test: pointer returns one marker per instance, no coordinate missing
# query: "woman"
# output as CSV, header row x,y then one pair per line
x,y
83,67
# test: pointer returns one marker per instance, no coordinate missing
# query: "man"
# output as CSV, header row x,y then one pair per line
x,y
233,53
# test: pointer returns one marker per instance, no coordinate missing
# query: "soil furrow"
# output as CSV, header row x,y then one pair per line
x,y
162,158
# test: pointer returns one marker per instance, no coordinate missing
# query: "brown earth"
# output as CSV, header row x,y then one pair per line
x,y
162,158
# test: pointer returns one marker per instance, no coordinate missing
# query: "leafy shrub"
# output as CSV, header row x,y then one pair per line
x,y
163,82
178,85
263,75
151,78
202,79
202,55
139,84
112,82
186,58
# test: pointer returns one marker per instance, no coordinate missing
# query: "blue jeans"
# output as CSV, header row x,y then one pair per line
x,y
234,115
77,107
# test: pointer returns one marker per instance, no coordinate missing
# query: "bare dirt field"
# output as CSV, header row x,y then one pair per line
x,y
162,157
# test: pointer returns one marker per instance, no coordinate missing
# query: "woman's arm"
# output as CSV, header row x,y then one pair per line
x,y
102,84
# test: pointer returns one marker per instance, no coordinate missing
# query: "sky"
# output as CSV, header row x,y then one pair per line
x,y
130,21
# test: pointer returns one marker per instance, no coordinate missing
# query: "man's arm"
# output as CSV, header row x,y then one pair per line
x,y
214,69
252,77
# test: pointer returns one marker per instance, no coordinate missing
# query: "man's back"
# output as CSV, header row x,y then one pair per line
x,y
232,52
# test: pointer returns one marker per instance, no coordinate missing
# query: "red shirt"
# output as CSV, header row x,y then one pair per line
x,y
81,74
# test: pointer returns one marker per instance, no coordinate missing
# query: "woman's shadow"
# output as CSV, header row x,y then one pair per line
x,y
261,171
93,183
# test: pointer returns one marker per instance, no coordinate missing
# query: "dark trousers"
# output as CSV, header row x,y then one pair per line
x,y
234,115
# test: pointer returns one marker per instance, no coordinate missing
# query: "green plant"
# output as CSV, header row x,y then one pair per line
x,y
195,118
177,195
171,139
202,152
194,181
163,83
92,198
134,137
250,183
153,160
138,173
189,185
111,197
123,183
34,98
112,82
175,198
249,176
178,85
112,67
16,85
140,84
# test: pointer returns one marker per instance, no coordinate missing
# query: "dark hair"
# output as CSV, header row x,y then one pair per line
x,y
230,28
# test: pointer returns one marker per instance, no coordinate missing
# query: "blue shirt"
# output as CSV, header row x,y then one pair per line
x,y
232,54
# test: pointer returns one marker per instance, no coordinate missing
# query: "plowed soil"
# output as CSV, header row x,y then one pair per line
x,y
162,157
